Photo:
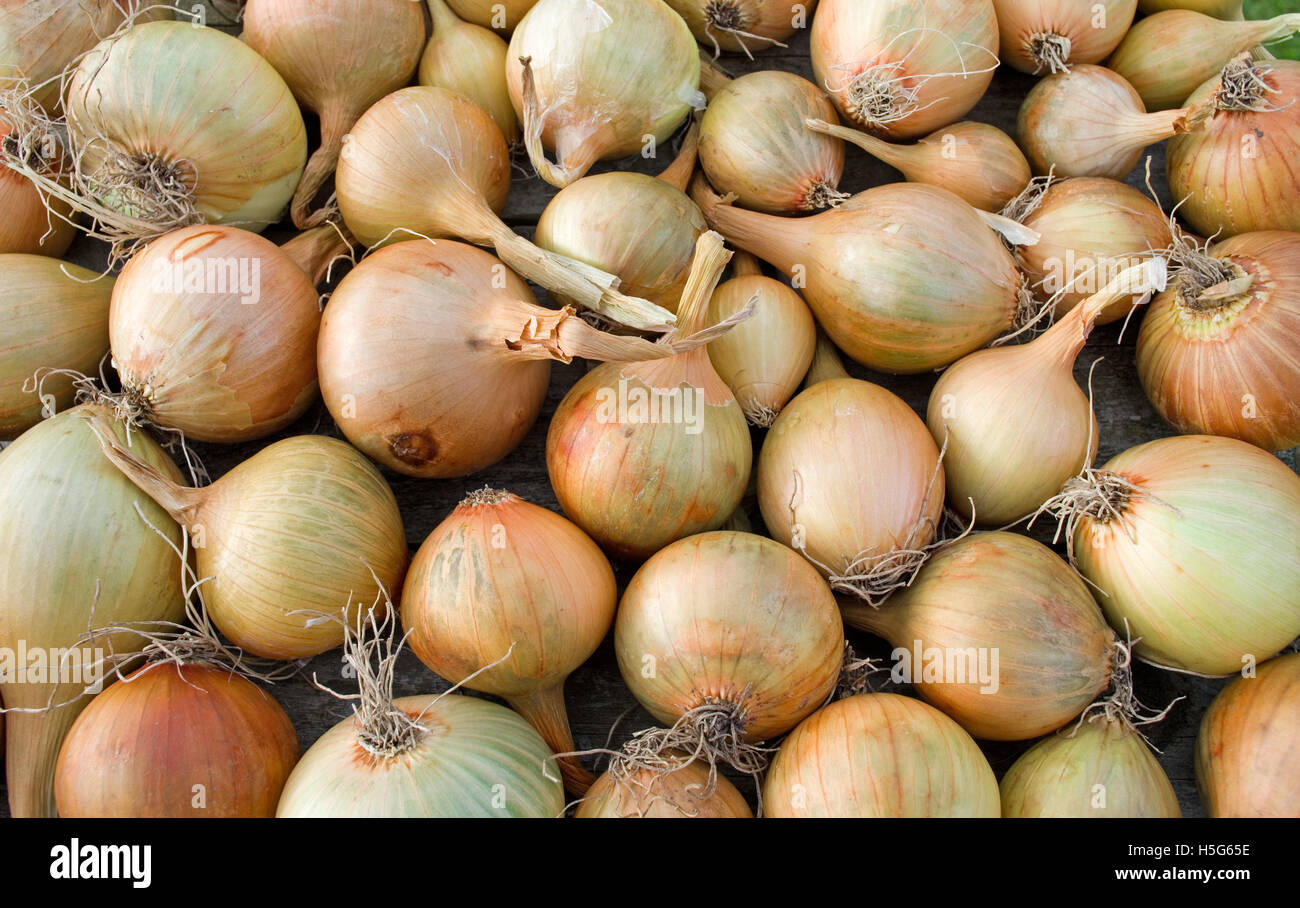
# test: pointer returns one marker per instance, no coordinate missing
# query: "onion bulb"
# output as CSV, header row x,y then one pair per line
x,y
29,226
742,26
598,79
498,15
902,69
501,576
1248,748
671,795
75,554
880,755
56,323
470,59
338,57
1051,35
1219,9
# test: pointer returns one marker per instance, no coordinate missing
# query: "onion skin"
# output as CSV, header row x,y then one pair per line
x,y
880,755
152,744
674,795
1219,9
486,12
476,755
1235,528
64,504
1101,769
55,316
761,23
1231,369
28,226
470,59
1019,21
1248,748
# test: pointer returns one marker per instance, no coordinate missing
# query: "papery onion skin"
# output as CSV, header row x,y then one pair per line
x,y
477,759
743,26
1102,768
1217,515
1219,9
673,795
470,59
175,740
69,530
55,316
879,755
1231,368
1248,747
28,226
499,15
1092,29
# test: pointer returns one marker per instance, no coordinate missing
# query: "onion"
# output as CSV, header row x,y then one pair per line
x,y
429,162
978,162
1015,423
1248,749
291,535
1219,9
74,553
901,68
1051,35
56,321
753,144
677,794
339,57
648,452
502,576
826,363
498,15
597,79
1102,768
742,25
470,59
1172,535
880,755
1236,174
904,277
29,226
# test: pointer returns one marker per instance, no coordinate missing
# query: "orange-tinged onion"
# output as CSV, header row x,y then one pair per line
x,y
743,26
880,755
1248,748
1219,9
470,59
176,740
673,795
1051,35
29,226
499,15
900,68
339,57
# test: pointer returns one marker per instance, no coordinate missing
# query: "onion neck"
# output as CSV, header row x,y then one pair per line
x,y
443,18
783,242
177,500
679,172
901,157
712,78
544,710
315,250
31,746
860,615
745,265
337,117
826,363
710,259
1144,129
1275,29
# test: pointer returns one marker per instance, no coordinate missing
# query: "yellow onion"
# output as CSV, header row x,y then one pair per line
x,y
498,15
291,536
501,576
1248,748
682,793
978,162
826,363
1236,174
213,332
643,453
764,358
1169,55
1190,542
880,755
743,25
29,226
1089,122
430,162
75,555
56,318
338,57
864,508
1219,9
1102,768
900,68
177,740
594,79
904,277
469,59
1015,422
1051,35
999,633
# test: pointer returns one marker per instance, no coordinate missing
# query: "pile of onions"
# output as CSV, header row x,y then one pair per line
x,y
498,15
291,536
1101,768
501,576
682,793
862,507
29,226
469,59
999,633
429,162
338,57
74,554
1015,422
1169,55
880,755
1219,9
903,277
592,79
55,317
1051,35
1191,541
902,69
1248,748
648,452
753,144
742,25
1217,353
1236,173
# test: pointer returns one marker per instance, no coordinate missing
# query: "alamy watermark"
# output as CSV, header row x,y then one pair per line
x,y
220,275
83,666
636,404
946,665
